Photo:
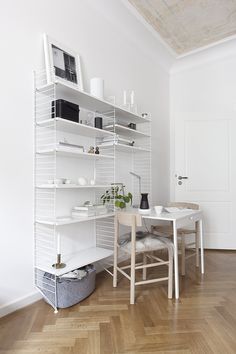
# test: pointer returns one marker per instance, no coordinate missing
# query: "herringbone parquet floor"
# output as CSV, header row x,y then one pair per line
x,y
202,321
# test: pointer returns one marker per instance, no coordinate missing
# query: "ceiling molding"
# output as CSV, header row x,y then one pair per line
x,y
211,54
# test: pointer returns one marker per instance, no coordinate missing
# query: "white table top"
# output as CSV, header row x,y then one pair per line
x,y
165,215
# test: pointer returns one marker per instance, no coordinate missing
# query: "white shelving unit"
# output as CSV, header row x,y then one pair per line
x,y
83,240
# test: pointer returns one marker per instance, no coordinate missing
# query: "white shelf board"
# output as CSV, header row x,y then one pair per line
x,y
72,153
92,103
77,260
75,128
125,131
125,148
71,220
71,186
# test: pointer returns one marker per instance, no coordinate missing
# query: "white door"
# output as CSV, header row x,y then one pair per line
x,y
204,172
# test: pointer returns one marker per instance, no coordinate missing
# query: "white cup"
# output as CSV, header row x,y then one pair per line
x,y
158,209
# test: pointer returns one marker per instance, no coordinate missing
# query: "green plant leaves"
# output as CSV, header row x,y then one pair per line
x,y
114,194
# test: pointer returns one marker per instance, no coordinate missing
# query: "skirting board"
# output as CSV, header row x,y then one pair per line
x,y
20,303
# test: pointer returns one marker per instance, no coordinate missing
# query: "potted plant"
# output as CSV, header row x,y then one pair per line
x,y
116,195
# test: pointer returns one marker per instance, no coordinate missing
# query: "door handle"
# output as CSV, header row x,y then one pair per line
x,y
182,177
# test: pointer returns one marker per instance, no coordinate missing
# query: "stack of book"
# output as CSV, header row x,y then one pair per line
x,y
88,210
70,147
81,211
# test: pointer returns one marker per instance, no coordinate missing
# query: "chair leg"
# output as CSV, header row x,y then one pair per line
x,y
144,269
170,273
132,279
132,287
197,246
182,254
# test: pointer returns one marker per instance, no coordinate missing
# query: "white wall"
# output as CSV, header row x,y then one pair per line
x,y
204,85
113,45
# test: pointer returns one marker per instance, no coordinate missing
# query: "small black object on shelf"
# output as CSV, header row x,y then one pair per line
x,y
98,122
66,110
132,126
144,201
97,150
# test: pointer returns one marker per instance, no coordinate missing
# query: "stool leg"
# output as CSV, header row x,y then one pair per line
x,y
144,269
182,254
132,280
197,244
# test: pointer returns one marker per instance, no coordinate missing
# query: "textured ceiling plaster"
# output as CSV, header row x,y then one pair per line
x,y
186,25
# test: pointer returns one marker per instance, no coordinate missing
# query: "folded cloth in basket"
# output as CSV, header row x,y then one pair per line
x,y
75,274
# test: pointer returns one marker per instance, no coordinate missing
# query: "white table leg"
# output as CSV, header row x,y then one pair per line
x,y
175,240
201,246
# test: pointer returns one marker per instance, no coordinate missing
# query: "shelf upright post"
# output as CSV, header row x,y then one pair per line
x,y
44,200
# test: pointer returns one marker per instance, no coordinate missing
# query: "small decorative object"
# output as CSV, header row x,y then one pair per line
x,y
66,110
92,182
98,122
97,87
126,105
158,209
82,181
117,195
128,101
97,150
132,126
62,64
59,180
144,115
58,264
91,150
90,119
144,205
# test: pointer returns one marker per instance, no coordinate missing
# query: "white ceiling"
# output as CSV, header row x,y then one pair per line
x,y
186,25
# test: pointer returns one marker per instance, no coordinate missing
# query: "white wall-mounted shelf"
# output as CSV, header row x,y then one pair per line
x,y
69,220
92,103
71,153
90,238
125,148
75,128
77,260
125,131
71,186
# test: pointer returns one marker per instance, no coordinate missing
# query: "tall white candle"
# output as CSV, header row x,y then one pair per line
x,y
132,97
58,243
124,97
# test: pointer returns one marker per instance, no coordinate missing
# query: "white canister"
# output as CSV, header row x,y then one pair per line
x,y
97,87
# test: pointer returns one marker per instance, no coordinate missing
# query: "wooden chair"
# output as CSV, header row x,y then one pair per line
x,y
167,231
145,246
